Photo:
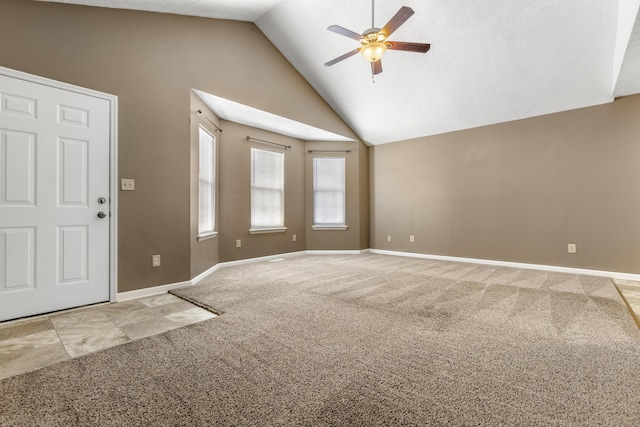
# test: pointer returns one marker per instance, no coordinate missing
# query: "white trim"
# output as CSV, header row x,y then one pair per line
x,y
161,289
329,227
112,101
267,230
554,268
338,252
216,267
204,274
260,259
113,187
207,236
55,83
153,290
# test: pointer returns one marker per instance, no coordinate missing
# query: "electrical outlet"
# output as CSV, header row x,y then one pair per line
x,y
412,238
155,260
238,243
127,184
388,238
571,248
294,238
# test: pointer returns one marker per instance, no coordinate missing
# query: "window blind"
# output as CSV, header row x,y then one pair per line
x,y
329,191
267,189
207,187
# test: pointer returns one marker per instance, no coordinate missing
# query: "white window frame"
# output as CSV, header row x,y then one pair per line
x,y
206,156
258,225
320,187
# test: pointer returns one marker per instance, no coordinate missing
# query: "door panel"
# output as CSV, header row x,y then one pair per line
x,y
16,250
72,254
73,172
17,166
54,166
17,105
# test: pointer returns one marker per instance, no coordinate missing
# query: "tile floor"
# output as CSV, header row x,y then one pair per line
x,y
29,344
33,343
630,292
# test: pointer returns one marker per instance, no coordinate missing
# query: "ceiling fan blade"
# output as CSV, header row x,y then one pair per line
x,y
376,67
410,47
398,19
343,31
343,57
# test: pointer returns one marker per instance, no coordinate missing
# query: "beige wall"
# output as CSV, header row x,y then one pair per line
x,y
519,191
363,167
234,197
151,61
235,194
356,211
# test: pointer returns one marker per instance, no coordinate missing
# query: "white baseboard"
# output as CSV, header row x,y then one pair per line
x,y
337,252
260,259
204,274
147,292
161,289
155,290
570,270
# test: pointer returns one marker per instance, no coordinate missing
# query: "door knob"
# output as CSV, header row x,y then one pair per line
x,y
101,214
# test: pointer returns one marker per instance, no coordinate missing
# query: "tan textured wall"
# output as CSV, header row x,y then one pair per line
x,y
349,239
363,159
151,61
519,191
235,194
204,253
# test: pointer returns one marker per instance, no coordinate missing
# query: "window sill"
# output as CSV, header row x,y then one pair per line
x,y
207,236
329,227
267,230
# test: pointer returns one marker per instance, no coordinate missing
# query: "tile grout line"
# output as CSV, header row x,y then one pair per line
x,y
69,354
631,310
60,338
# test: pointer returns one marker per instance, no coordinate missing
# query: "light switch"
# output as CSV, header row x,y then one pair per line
x,y
571,248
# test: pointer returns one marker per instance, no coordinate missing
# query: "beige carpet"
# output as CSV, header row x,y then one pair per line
x,y
361,340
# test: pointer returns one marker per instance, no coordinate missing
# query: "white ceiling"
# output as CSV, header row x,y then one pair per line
x,y
239,10
243,114
490,61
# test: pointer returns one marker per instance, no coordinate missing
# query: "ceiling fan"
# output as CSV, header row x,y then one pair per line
x,y
374,40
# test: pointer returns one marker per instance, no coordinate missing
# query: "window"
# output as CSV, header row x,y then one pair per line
x,y
329,193
267,190
207,184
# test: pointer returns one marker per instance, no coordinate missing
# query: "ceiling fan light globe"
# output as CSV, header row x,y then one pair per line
x,y
373,51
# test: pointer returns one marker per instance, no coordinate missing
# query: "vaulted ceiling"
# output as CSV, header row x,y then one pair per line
x,y
490,62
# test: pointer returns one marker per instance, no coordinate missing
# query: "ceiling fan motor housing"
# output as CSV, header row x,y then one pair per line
x,y
373,46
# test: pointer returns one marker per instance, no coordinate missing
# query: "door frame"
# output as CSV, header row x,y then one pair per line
x,y
112,101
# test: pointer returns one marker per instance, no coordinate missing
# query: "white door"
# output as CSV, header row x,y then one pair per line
x,y
54,182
